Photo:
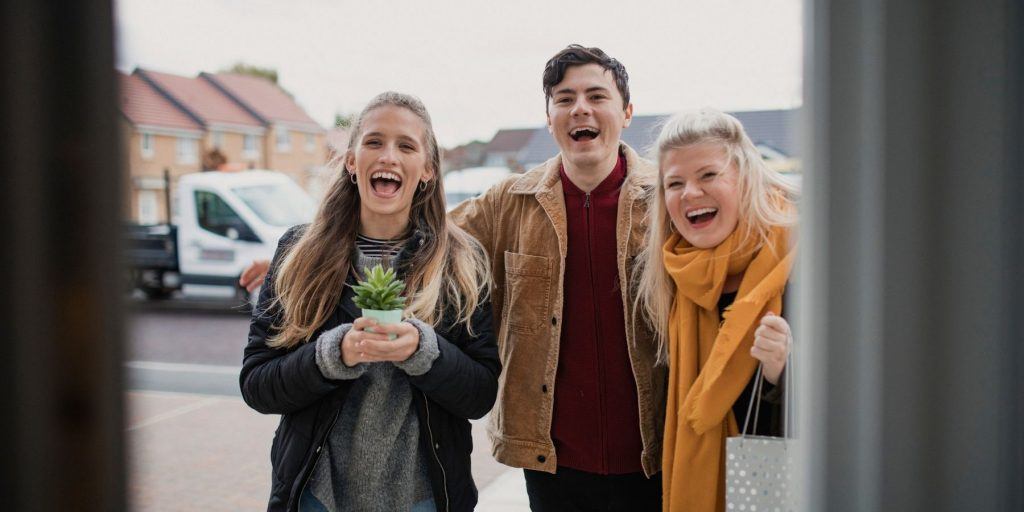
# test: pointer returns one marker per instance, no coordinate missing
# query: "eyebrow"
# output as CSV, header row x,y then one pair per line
x,y
569,90
380,134
708,167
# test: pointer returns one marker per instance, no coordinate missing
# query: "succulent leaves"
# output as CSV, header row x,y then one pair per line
x,y
381,290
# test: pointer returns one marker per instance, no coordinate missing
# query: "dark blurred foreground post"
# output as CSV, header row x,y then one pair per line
x,y
60,352
913,357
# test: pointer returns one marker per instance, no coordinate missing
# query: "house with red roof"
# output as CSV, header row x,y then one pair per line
x,y
294,142
158,136
182,124
231,129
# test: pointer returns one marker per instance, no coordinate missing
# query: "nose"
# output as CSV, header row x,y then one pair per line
x,y
692,190
388,155
580,107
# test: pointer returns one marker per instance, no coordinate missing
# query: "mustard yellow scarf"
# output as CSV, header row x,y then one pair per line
x,y
709,361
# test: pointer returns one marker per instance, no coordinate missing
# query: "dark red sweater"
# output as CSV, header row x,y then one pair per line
x,y
596,422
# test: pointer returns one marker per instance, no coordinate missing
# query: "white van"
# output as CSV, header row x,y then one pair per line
x,y
222,222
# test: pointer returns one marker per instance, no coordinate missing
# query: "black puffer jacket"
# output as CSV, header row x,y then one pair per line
x,y
461,384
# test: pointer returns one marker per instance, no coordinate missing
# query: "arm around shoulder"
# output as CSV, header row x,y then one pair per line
x,y
478,215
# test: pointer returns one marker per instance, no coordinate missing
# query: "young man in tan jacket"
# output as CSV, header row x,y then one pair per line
x,y
580,403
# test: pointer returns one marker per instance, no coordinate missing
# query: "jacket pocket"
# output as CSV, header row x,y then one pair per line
x,y
527,280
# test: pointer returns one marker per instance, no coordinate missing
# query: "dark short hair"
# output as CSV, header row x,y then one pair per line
x,y
577,55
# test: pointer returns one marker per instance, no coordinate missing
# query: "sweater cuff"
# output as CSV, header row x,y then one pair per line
x,y
422,360
773,393
328,355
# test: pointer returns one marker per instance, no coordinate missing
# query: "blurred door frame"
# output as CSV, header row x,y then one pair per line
x,y
61,359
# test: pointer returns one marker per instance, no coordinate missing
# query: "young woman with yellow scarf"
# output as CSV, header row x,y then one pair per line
x,y
719,255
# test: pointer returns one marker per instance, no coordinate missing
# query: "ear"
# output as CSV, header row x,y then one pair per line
x,y
629,115
350,162
551,129
428,174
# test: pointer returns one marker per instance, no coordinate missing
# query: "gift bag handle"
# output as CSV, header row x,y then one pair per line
x,y
755,396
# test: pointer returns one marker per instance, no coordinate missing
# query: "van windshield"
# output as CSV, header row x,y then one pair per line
x,y
278,204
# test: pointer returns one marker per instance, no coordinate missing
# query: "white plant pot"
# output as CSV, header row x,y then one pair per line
x,y
384,317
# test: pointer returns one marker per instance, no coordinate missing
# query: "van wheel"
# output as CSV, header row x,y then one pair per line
x,y
153,293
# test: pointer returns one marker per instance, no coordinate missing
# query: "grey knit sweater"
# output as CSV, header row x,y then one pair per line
x,y
373,460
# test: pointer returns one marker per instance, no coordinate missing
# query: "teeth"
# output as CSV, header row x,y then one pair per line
x,y
385,175
585,128
700,211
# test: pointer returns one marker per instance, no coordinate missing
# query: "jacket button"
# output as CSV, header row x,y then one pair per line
x,y
541,458
554,320
437,446
544,388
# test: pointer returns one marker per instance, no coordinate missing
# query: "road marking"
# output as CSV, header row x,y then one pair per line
x,y
185,409
183,367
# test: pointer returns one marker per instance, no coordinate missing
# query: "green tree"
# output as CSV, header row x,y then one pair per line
x,y
342,120
242,68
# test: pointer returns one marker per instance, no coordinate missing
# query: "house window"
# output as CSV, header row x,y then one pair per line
x,y
188,151
310,143
249,147
283,138
147,145
147,207
217,138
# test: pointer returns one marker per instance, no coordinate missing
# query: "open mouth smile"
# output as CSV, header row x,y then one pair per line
x,y
385,183
584,133
701,217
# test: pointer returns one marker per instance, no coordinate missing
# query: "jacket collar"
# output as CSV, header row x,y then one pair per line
x,y
543,179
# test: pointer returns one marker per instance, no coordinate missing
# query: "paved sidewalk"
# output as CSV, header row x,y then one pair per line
x,y
212,453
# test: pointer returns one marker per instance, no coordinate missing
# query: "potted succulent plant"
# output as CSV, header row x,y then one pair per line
x,y
379,296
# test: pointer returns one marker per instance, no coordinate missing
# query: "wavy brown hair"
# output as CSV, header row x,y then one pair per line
x,y
447,274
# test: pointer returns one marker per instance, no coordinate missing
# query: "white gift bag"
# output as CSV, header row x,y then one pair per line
x,y
759,469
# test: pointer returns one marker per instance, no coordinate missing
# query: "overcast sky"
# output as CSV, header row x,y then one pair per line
x,y
477,64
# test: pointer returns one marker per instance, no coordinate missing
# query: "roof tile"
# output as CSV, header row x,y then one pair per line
x,y
143,105
264,98
509,140
202,99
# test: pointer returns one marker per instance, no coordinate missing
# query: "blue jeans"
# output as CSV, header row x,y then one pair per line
x,y
426,505
308,503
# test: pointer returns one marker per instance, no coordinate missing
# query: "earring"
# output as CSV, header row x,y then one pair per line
x,y
352,177
423,186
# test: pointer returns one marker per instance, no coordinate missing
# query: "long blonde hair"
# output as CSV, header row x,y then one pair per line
x,y
760,188
447,274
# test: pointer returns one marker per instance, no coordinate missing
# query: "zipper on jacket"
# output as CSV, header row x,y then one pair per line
x,y
597,330
433,450
316,458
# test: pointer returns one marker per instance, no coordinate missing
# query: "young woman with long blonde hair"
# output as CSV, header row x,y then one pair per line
x,y
370,423
719,254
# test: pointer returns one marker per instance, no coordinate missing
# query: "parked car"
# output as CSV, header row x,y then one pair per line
x,y
223,221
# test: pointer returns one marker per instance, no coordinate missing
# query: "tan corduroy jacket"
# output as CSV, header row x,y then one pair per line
x,y
521,224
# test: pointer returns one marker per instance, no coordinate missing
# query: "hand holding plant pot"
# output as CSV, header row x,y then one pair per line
x,y
379,296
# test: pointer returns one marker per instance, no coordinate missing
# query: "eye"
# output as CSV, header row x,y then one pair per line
x,y
407,147
598,97
562,101
708,176
672,185
372,143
